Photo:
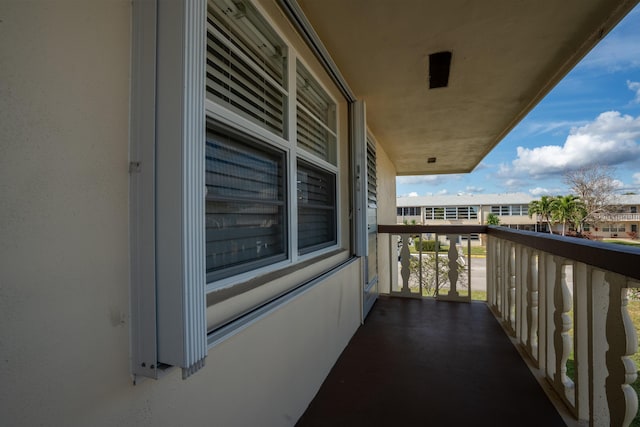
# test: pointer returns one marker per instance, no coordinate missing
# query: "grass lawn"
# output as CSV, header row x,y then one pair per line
x,y
479,295
623,242
475,250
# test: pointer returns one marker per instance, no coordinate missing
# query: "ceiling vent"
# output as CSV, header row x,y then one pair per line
x,y
439,66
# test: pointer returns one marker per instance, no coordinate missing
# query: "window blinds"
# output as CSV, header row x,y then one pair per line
x,y
246,65
316,117
316,207
245,205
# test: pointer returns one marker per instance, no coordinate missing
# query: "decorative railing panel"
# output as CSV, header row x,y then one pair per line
x,y
571,298
564,301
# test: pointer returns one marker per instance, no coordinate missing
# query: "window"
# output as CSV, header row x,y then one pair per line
x,y
316,208
509,210
473,212
450,213
245,204
246,64
316,137
409,211
316,118
249,191
237,166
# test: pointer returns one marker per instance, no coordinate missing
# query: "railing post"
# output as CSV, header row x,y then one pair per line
x,y
405,259
621,336
532,303
542,311
549,321
452,273
581,326
510,309
562,323
521,304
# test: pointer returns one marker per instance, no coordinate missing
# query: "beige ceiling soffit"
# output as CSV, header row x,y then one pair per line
x,y
308,34
609,24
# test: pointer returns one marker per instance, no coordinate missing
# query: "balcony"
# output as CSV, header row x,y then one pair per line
x,y
561,301
618,217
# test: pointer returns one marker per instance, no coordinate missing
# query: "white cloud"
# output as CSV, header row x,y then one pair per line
x,y
610,139
412,194
636,178
538,128
618,51
443,192
634,87
539,191
618,184
473,189
512,183
418,179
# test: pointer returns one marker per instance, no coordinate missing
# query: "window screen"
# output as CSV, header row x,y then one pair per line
x,y
316,207
245,204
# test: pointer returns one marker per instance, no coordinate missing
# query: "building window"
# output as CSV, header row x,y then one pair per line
x,y
316,118
510,210
258,178
316,208
235,143
246,65
245,204
450,213
409,211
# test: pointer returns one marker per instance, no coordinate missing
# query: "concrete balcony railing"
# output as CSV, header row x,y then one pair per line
x,y
618,217
559,299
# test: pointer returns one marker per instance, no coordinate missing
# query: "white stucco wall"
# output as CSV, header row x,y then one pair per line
x,y
64,255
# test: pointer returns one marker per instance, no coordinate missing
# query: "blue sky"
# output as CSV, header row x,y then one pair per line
x,y
590,117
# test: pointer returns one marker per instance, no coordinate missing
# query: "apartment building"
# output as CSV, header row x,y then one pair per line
x,y
192,190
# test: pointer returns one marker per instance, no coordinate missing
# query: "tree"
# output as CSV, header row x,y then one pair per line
x,y
493,219
567,209
595,187
543,209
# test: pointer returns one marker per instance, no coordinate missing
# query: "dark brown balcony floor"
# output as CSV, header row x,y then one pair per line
x,y
428,363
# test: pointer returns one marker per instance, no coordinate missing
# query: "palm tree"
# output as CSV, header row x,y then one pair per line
x,y
493,219
542,208
566,209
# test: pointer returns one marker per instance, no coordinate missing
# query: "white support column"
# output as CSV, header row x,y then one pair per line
x,y
511,291
581,328
452,273
599,408
542,311
562,342
532,304
550,282
405,258
521,286
621,336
